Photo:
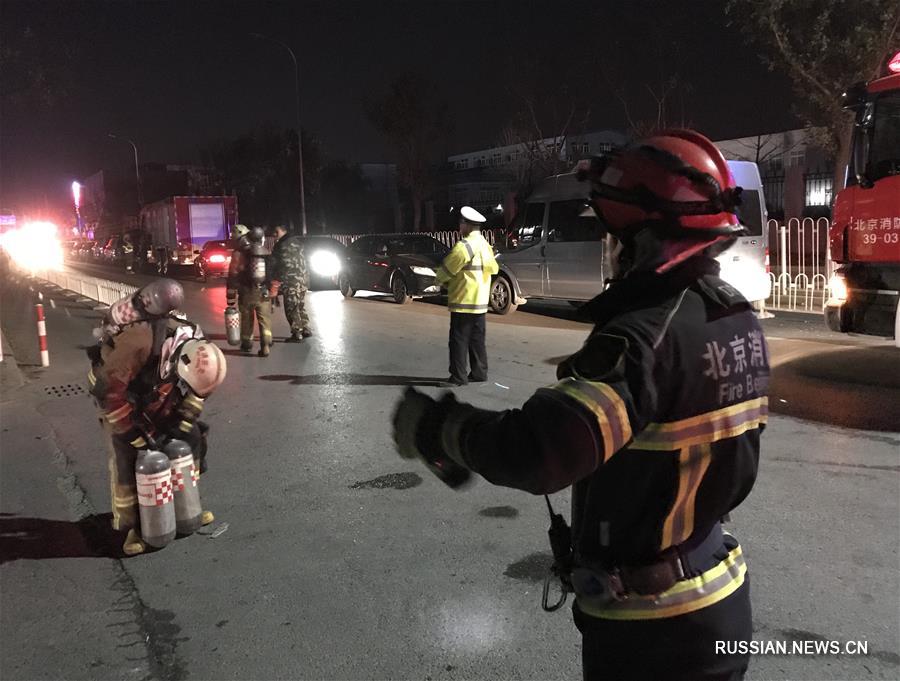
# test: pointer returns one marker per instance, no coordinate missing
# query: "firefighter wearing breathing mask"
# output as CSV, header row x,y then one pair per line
x,y
150,374
655,423
247,288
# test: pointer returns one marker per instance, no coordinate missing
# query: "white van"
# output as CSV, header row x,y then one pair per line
x,y
559,245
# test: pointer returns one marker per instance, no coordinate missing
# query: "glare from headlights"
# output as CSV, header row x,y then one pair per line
x,y
838,287
748,277
424,271
325,263
34,246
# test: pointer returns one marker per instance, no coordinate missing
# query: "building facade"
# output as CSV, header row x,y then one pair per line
x,y
490,180
797,174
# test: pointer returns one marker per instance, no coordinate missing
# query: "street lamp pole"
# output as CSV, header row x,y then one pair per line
x,y
299,128
137,172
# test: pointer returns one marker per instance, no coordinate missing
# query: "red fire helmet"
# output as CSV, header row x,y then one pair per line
x,y
678,177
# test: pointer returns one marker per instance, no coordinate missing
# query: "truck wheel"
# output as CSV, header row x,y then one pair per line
x,y
501,300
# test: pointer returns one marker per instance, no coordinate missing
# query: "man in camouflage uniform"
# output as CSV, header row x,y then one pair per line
x,y
247,288
291,278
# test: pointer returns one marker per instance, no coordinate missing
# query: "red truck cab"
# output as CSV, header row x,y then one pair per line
x,y
865,231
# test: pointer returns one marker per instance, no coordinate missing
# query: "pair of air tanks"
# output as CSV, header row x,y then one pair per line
x,y
168,493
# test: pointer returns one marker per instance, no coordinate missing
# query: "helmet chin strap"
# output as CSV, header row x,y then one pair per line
x,y
654,246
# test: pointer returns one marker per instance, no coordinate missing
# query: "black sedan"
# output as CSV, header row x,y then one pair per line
x,y
399,264
324,258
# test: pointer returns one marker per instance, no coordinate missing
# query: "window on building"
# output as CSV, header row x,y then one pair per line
x,y
819,189
604,147
573,221
775,165
580,149
797,157
496,159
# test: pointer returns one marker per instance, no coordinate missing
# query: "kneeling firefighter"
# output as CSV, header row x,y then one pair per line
x,y
655,421
247,288
151,371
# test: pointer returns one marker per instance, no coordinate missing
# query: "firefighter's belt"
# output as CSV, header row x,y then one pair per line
x,y
674,565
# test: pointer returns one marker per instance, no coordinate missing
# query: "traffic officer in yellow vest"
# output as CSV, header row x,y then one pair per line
x,y
655,422
466,272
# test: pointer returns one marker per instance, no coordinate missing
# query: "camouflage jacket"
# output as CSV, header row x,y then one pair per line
x,y
289,263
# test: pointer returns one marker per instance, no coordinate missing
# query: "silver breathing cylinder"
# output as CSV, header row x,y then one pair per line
x,y
185,477
154,490
258,255
232,325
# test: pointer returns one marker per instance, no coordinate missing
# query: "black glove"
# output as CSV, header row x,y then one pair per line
x,y
135,437
417,433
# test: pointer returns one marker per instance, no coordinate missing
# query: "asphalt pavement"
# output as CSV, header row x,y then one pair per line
x,y
332,558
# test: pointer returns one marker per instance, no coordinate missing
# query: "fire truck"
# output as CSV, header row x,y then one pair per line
x,y
865,231
178,227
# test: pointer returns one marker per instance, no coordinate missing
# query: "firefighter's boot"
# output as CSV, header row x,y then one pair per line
x,y
133,545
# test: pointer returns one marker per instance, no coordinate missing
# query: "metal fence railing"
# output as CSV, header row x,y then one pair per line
x,y
103,291
801,265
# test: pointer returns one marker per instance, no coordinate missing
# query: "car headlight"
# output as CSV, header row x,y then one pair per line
x,y
838,287
325,263
424,271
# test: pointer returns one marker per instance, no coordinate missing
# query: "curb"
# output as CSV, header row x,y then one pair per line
x,y
10,375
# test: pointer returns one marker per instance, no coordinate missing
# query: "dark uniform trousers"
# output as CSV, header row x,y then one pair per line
x,y
467,346
295,308
252,303
662,649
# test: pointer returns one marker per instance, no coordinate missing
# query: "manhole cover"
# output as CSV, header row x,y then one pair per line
x,y
66,390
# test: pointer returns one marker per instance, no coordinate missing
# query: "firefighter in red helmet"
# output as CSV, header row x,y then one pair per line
x,y
655,423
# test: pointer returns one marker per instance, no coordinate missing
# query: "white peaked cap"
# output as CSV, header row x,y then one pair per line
x,y
469,214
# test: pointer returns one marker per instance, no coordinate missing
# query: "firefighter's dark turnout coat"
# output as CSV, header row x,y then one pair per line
x,y
133,401
655,421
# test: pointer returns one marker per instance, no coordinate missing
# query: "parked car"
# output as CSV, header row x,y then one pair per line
x,y
324,258
399,264
213,260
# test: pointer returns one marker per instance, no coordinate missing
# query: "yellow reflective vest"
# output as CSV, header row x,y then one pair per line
x,y
466,272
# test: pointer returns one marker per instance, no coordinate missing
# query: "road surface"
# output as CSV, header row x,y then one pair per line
x,y
337,559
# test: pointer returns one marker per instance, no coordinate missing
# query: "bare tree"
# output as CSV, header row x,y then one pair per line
x,y
823,46
652,103
763,149
414,120
545,113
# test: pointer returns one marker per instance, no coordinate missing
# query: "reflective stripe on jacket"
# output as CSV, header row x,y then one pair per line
x,y
655,422
466,272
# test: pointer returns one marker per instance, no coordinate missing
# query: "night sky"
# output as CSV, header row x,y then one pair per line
x,y
173,76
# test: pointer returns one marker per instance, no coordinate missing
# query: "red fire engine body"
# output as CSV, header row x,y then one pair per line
x,y
865,232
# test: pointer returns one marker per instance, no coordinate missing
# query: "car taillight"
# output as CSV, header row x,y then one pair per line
x,y
768,269
217,257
